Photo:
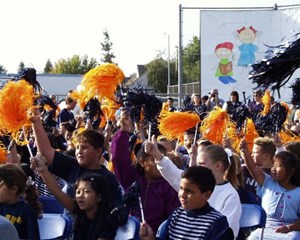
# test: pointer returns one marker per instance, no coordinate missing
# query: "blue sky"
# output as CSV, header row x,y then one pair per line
x,y
36,30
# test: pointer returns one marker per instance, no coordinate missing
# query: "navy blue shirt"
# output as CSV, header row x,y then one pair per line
x,y
23,217
67,168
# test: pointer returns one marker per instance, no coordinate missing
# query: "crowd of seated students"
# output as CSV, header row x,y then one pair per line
x,y
166,171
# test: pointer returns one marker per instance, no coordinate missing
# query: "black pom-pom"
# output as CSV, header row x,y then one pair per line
x,y
45,100
273,121
94,112
240,115
119,215
29,75
139,98
276,71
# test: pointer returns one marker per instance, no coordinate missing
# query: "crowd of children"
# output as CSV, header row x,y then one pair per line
x,y
197,186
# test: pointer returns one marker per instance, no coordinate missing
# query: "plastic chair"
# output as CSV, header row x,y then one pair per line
x,y
54,226
253,216
51,205
162,231
130,230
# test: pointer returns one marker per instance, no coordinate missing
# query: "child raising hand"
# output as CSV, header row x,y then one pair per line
x,y
280,194
91,206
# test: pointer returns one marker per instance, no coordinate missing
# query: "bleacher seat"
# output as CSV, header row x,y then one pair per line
x,y
162,231
54,226
253,216
130,230
51,205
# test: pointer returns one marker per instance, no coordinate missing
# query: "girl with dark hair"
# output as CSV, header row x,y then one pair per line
x,y
280,194
92,208
92,204
22,212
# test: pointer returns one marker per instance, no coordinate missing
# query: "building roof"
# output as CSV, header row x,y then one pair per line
x,y
141,69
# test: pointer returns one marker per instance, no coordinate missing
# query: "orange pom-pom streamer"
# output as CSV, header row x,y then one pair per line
x,y
16,101
286,135
214,125
174,124
3,153
164,109
109,108
80,95
266,100
233,135
102,80
250,133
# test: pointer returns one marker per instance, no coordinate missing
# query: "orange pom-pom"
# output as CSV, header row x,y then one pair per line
x,y
250,133
266,100
102,80
287,135
174,124
80,95
164,109
16,101
214,125
233,135
3,153
109,109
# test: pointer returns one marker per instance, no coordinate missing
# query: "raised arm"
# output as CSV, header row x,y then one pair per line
x,y
254,170
13,156
38,163
165,166
193,155
125,172
41,139
107,134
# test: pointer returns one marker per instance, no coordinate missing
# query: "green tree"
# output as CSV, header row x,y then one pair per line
x,y
21,66
157,73
106,47
48,67
191,61
74,65
2,69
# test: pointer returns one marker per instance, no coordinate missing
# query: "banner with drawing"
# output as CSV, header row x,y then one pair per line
x,y
232,40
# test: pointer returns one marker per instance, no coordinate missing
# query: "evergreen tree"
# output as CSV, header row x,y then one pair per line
x,y
2,69
106,47
21,66
48,67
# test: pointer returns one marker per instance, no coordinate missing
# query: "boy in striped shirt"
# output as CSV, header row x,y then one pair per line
x,y
195,219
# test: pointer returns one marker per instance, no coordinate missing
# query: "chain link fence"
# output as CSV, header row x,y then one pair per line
x,y
187,88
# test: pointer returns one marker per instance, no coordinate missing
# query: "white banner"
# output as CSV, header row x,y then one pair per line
x,y
231,40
